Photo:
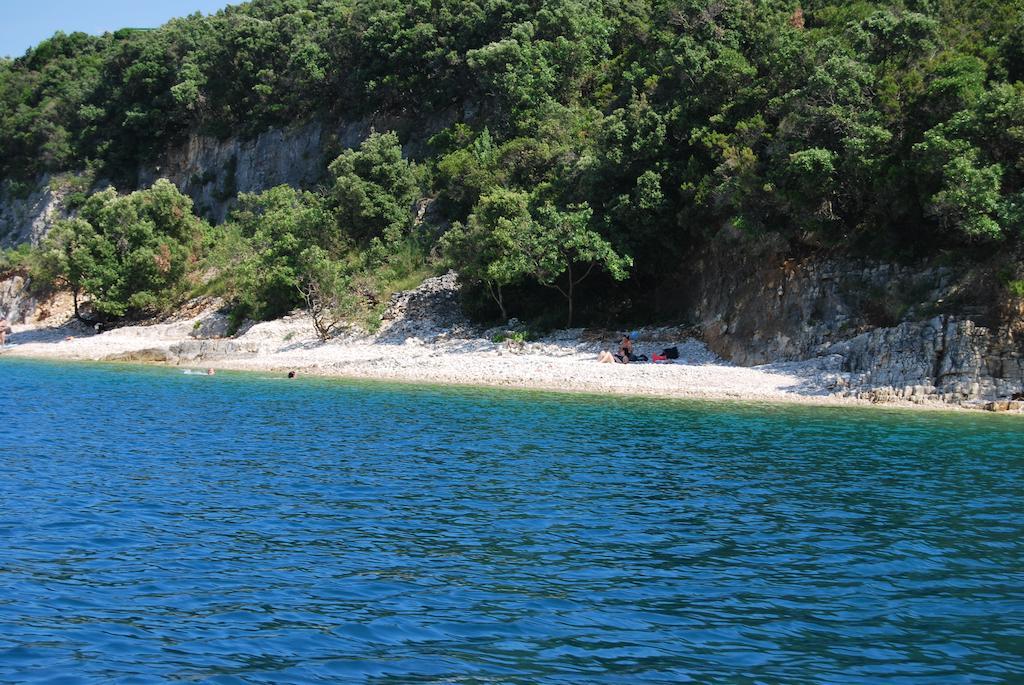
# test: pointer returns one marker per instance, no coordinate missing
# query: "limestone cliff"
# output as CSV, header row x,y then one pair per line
x,y
17,303
27,210
907,331
949,357
212,171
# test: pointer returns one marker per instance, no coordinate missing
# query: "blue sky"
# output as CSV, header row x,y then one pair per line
x,y
26,22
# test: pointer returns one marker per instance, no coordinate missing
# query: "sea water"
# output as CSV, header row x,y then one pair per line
x,y
245,528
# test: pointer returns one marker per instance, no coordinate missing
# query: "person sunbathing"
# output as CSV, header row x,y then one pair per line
x,y
625,354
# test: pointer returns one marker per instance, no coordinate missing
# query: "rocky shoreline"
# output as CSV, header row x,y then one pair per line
x,y
426,339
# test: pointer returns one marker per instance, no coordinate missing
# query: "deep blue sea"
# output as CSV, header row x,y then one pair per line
x,y
242,528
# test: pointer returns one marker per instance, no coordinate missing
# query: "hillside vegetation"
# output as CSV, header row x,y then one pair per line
x,y
600,142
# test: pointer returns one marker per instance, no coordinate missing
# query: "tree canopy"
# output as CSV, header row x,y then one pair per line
x,y
894,128
130,253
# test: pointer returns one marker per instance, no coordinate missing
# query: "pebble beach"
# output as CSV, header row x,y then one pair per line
x,y
563,361
425,338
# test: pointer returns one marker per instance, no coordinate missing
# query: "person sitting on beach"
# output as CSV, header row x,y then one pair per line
x,y
622,357
626,348
625,354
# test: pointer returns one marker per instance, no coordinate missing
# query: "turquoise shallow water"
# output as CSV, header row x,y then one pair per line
x,y
157,527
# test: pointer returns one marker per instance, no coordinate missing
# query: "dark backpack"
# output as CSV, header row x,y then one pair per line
x,y
671,352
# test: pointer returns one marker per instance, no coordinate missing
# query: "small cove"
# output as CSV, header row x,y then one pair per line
x,y
246,528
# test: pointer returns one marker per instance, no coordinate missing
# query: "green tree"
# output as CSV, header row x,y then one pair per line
x,y
130,253
557,248
468,171
866,125
969,197
473,248
326,287
65,258
374,190
276,225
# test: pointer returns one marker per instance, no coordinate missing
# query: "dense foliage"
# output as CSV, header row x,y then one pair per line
x,y
642,127
281,249
130,253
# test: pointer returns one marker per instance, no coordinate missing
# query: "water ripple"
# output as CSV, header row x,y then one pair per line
x,y
239,529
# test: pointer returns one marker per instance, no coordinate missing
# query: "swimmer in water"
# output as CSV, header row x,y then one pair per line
x,y
210,372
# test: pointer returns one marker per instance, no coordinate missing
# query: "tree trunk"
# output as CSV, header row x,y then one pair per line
x,y
74,301
501,305
499,299
568,296
572,289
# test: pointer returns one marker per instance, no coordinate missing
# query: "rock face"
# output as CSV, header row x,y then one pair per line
x,y
209,170
28,212
951,358
213,171
16,303
902,332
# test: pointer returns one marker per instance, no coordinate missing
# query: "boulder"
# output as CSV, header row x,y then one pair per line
x,y
152,354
